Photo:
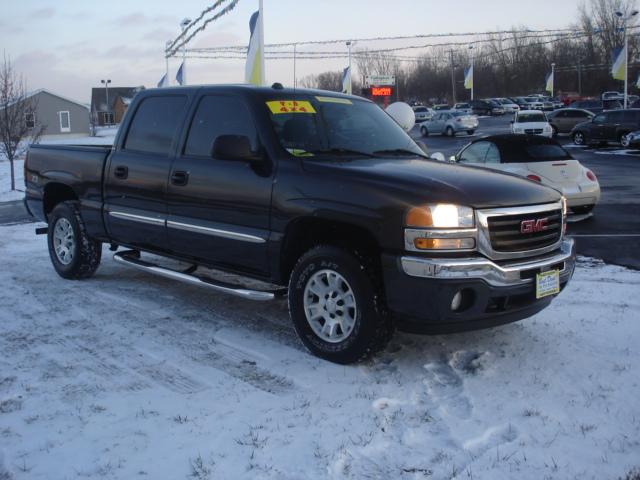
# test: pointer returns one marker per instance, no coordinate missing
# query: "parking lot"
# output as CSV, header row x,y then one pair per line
x,y
612,233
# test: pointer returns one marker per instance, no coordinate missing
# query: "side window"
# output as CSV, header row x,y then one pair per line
x,y
215,116
493,154
615,117
155,125
474,153
630,116
600,119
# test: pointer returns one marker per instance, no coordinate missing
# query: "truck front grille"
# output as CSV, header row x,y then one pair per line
x,y
524,232
533,131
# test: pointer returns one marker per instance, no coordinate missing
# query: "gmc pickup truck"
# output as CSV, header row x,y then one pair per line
x,y
320,195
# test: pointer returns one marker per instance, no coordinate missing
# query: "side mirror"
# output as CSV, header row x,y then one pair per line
x,y
453,159
439,156
234,147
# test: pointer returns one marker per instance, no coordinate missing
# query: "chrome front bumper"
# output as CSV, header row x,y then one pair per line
x,y
480,268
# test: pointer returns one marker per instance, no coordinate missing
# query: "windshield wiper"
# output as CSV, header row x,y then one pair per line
x,y
399,151
343,151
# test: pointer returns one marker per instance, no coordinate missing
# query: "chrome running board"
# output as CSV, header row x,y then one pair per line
x,y
132,258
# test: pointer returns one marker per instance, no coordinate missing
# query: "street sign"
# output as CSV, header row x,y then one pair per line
x,y
379,80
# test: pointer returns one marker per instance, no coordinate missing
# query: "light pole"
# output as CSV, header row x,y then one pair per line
x,y
626,51
106,92
295,80
184,24
166,59
473,73
553,79
350,84
453,77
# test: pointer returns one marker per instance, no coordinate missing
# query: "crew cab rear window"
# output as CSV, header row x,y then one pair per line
x,y
155,124
215,116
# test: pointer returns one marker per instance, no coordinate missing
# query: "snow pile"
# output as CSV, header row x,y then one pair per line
x,y
127,375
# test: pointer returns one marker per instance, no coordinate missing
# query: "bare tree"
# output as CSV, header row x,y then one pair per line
x,y
18,123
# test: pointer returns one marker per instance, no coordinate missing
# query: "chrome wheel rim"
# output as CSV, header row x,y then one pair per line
x,y
624,141
330,306
578,139
64,242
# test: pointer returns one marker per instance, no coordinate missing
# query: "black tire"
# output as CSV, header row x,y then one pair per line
x,y
424,131
579,138
86,252
372,328
449,132
582,209
554,131
470,132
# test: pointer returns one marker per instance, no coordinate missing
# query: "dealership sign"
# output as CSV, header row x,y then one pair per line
x,y
379,80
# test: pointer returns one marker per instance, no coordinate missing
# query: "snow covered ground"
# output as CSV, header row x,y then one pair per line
x,y
132,376
105,135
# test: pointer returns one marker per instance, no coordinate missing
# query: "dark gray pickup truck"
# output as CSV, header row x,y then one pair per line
x,y
323,196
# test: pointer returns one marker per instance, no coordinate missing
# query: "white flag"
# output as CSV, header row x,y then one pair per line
x,y
254,70
346,81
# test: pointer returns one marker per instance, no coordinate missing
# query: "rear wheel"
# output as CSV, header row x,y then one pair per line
x,y
73,253
424,131
449,132
336,305
579,138
554,130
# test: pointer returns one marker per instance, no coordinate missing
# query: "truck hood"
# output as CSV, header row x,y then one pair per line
x,y
421,181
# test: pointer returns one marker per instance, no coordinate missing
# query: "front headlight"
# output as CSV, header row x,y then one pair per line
x,y
565,212
441,227
440,215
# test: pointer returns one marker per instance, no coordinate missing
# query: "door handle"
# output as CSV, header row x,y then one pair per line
x,y
121,171
180,178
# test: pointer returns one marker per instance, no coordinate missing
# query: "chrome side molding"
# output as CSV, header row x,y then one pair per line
x,y
216,232
131,258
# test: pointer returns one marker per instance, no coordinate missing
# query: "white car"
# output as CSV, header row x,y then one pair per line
x,y
531,122
422,113
539,159
508,105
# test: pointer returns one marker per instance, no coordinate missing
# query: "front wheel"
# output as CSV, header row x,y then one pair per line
x,y
554,131
449,132
579,138
625,141
424,131
73,253
335,303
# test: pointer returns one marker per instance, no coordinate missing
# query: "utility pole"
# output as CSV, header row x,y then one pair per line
x,y
473,72
453,77
580,76
553,79
166,58
350,83
295,45
184,24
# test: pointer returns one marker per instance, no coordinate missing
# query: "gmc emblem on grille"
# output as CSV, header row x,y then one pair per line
x,y
533,226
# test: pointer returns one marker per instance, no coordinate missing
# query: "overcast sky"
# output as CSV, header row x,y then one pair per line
x,y
68,46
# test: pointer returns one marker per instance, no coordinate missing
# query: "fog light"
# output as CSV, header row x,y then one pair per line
x,y
456,301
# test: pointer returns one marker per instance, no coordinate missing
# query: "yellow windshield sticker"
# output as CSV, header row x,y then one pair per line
x,y
296,152
344,101
290,106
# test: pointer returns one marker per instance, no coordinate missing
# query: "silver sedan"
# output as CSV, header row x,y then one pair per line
x,y
449,123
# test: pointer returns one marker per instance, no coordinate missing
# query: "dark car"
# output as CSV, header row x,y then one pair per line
x,y
597,106
563,120
320,196
605,127
481,107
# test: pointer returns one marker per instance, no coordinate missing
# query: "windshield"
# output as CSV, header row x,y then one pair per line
x,y
420,109
531,117
314,125
460,114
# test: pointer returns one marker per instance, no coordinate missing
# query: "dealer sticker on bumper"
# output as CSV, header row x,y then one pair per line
x,y
547,283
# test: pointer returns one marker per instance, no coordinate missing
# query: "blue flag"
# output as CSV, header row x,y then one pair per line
x,y
163,81
180,75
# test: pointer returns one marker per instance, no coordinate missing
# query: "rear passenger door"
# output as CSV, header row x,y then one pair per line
x,y
218,209
136,177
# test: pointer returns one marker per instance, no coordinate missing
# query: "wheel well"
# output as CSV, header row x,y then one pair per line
x,y
306,233
54,193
